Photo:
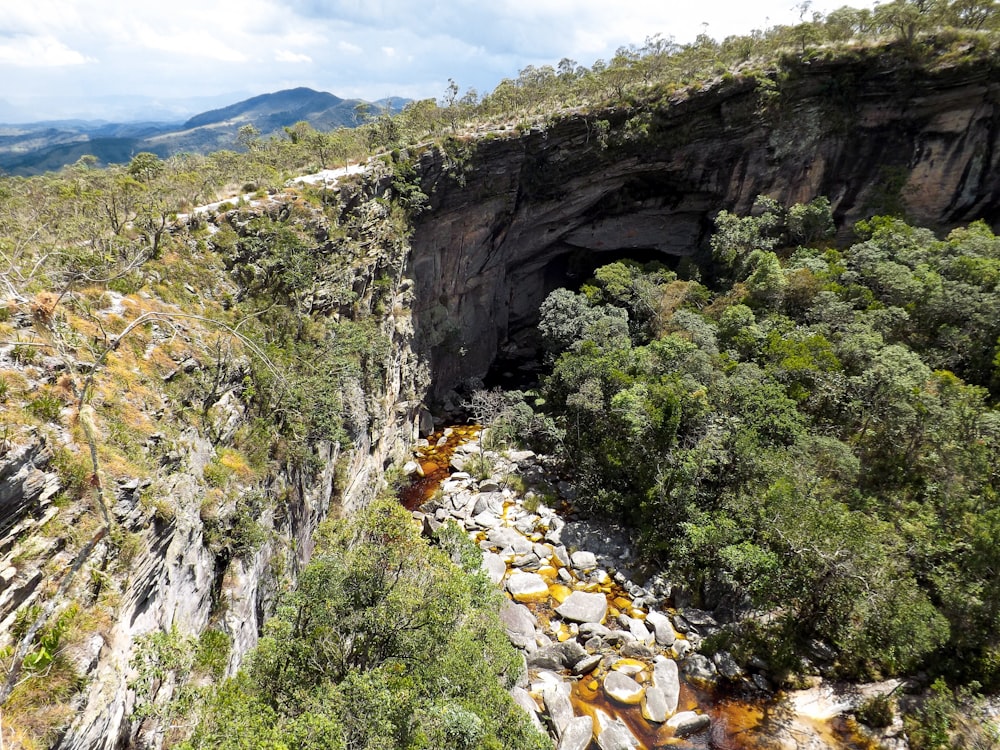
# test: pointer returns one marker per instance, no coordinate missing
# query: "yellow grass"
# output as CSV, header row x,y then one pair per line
x,y
237,463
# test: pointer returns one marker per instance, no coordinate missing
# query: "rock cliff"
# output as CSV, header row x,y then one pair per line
x,y
512,217
176,561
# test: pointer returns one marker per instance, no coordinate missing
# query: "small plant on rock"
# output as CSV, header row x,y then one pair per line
x,y
876,712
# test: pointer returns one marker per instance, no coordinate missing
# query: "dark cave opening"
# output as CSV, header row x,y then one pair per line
x,y
519,361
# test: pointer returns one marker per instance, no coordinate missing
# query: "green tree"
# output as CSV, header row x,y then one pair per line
x,y
356,658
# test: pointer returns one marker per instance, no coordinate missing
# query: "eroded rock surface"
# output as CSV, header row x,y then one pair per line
x,y
506,218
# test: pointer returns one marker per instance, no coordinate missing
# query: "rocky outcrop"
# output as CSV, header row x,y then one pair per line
x,y
170,564
513,217
27,488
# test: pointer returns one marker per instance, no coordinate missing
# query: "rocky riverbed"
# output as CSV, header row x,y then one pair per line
x,y
610,664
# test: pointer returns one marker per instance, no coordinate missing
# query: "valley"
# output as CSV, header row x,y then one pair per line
x,y
739,489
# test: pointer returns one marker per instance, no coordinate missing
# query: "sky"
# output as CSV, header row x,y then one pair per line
x,y
134,59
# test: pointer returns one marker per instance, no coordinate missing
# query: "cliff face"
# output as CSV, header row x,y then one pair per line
x,y
511,217
172,558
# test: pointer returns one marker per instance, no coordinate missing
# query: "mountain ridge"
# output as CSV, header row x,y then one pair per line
x,y
33,148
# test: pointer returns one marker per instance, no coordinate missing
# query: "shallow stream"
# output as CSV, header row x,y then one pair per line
x,y
741,718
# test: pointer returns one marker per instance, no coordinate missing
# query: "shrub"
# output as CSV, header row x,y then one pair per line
x,y
46,406
74,471
217,474
876,712
24,354
212,655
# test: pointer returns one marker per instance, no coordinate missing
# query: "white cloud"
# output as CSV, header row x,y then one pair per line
x,y
39,52
194,42
389,51
349,49
287,56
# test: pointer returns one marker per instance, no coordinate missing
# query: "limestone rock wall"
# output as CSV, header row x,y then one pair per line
x,y
510,214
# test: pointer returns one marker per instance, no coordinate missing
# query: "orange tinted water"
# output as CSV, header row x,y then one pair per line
x,y
737,723
435,462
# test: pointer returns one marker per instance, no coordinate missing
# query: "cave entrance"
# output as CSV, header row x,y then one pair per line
x,y
518,361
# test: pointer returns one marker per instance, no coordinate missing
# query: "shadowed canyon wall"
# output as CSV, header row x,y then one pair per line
x,y
507,214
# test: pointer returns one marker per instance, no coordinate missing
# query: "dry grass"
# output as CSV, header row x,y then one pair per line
x,y
39,708
43,307
237,463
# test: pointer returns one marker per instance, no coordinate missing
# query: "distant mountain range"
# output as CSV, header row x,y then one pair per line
x,y
33,148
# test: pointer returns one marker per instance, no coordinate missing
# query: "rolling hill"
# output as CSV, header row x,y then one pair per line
x,y
34,148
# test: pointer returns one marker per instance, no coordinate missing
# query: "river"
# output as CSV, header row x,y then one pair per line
x,y
742,715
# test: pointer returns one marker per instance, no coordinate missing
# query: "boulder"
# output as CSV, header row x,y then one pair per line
x,y
453,487
594,629
698,667
560,553
545,658
614,735
555,696
461,503
636,650
494,566
587,664
526,587
518,622
662,629
526,524
655,706
584,560
667,679
638,628
594,644
581,606
572,652
486,520
699,618
577,734
544,551
622,688
430,525
557,656
727,666
687,723
518,457
525,701
631,667
529,561
489,501
503,537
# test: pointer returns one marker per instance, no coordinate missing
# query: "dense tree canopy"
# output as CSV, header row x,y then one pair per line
x,y
814,439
